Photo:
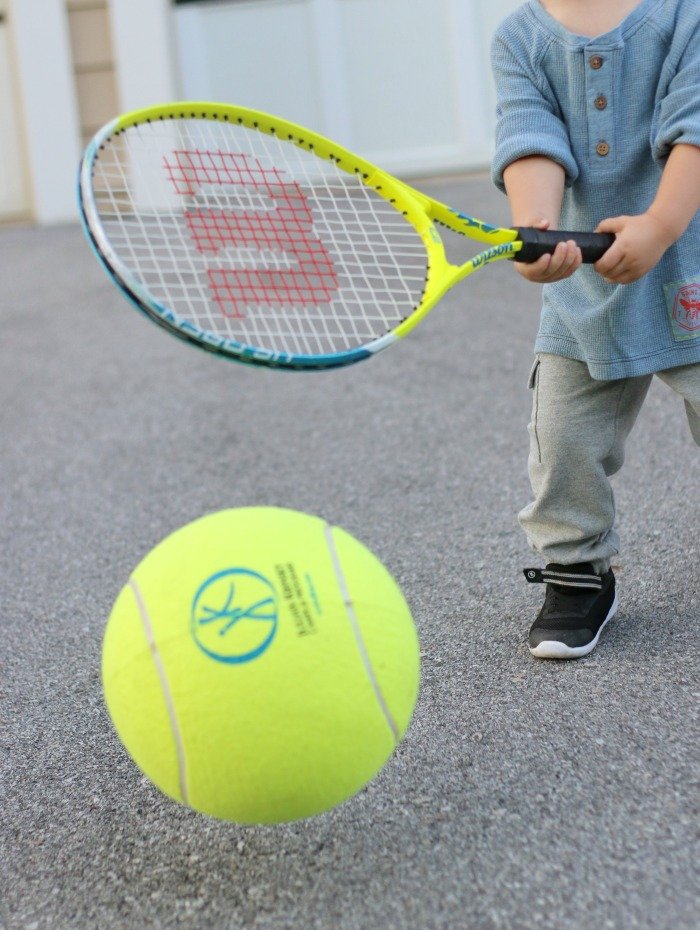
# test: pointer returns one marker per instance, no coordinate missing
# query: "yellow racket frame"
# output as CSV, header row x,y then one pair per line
x,y
421,211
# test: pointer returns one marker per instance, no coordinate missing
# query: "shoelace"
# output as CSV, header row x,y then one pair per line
x,y
558,599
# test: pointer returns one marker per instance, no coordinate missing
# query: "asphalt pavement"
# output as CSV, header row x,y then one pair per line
x,y
527,794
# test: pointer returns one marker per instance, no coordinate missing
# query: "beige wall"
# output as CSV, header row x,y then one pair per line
x,y
14,190
43,83
66,68
93,63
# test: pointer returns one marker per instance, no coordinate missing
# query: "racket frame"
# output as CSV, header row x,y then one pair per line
x,y
421,211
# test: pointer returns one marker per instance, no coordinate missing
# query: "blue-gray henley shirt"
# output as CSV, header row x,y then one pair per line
x,y
608,109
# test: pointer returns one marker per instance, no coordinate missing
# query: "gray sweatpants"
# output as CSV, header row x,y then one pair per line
x,y
577,441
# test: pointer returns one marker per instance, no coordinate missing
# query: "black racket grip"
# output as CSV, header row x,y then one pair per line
x,y
537,242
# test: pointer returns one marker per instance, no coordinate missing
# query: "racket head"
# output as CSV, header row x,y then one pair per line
x,y
259,240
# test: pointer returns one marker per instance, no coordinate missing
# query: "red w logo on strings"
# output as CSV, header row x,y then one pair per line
x,y
266,219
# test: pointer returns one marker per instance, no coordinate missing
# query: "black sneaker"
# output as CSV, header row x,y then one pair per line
x,y
577,605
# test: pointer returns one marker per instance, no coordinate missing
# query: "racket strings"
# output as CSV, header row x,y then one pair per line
x,y
251,239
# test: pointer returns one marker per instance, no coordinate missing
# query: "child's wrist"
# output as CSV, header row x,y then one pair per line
x,y
670,228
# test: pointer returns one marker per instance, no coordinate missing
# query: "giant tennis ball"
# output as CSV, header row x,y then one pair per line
x,y
260,665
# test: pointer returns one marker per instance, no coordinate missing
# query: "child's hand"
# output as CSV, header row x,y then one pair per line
x,y
550,268
640,242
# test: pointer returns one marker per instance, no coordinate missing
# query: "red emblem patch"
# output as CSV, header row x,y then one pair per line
x,y
686,308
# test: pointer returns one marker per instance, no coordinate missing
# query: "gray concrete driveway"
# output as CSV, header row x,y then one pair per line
x,y
526,794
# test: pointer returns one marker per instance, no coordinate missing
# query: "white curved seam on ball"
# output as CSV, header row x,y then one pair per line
x,y
354,623
165,688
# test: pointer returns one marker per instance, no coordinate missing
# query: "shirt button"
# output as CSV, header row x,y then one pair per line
x,y
602,149
596,62
601,102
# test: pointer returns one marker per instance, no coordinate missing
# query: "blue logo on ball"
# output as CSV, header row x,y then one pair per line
x,y
234,615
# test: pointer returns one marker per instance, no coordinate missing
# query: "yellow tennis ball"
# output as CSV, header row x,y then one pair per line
x,y
260,665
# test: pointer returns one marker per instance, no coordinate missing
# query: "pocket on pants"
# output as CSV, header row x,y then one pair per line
x,y
532,380
533,384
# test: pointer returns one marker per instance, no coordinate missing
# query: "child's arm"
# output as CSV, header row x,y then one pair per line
x,y
535,188
643,239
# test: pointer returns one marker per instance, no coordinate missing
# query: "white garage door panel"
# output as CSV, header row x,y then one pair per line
x,y
256,54
406,83
401,87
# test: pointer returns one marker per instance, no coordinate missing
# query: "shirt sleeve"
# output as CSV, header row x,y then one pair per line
x,y
678,110
526,120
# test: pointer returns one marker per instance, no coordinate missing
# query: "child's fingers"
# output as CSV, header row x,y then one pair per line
x,y
616,253
614,263
535,271
571,259
624,272
566,258
562,263
538,272
612,258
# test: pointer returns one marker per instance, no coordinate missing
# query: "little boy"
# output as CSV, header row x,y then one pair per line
x,y
599,128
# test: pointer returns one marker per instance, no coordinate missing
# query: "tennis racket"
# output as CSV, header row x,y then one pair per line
x,y
264,242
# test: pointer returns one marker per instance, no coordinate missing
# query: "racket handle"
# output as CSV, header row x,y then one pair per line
x,y
537,242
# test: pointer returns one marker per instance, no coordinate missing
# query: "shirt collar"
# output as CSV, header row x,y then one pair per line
x,y
613,37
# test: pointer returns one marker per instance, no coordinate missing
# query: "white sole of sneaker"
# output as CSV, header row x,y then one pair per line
x,y
551,649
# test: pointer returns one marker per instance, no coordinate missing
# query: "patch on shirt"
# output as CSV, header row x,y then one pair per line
x,y
683,302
